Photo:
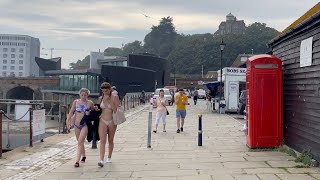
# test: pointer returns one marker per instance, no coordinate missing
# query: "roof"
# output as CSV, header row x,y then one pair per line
x,y
211,74
238,63
230,15
74,72
266,56
300,24
48,64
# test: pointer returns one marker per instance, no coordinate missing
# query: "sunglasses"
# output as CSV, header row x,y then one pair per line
x,y
103,88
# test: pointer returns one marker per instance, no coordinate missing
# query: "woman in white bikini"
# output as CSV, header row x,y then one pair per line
x,y
107,128
80,107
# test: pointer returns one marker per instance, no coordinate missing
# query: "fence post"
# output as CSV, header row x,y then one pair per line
x,y
30,127
134,100
1,113
64,127
124,103
8,126
128,102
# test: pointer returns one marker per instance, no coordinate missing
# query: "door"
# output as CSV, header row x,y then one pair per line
x,y
233,97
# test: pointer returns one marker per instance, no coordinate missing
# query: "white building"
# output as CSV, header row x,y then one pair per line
x,y
98,58
233,79
17,55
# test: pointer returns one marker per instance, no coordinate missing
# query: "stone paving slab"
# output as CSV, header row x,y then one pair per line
x,y
283,163
265,171
295,177
268,177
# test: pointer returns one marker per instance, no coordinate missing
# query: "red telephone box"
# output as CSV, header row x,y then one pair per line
x,y
264,105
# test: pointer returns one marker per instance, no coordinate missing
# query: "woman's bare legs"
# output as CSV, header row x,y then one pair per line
x,y
111,132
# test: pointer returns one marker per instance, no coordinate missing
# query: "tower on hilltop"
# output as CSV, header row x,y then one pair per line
x,y
231,26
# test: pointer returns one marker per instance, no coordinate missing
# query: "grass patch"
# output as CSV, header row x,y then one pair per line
x,y
300,166
305,158
288,151
261,149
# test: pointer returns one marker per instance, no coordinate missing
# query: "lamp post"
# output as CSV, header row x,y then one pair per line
x,y
222,45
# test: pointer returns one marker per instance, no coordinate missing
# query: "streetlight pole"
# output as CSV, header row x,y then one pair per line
x,y
222,45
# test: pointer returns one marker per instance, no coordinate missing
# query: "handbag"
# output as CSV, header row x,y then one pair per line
x,y
118,116
164,107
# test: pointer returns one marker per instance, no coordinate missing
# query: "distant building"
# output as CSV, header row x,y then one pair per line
x,y
48,64
17,55
97,59
241,60
231,26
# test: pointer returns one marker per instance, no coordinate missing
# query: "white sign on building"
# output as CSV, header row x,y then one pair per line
x,y
39,122
306,52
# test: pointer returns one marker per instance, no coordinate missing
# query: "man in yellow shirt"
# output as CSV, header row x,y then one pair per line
x,y
181,101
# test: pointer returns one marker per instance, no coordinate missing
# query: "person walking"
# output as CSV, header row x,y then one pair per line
x,y
181,101
79,108
161,103
195,96
107,129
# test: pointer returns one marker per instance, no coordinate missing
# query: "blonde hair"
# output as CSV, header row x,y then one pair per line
x,y
84,90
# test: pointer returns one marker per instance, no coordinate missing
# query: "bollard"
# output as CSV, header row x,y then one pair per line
x,y
149,129
200,131
1,113
30,127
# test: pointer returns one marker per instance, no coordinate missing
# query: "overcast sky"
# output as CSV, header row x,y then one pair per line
x,y
90,25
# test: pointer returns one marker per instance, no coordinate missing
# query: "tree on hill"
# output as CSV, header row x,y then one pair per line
x,y
187,53
84,62
161,39
113,51
133,48
193,51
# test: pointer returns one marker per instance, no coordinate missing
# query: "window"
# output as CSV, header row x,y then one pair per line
x,y
20,61
5,55
5,49
20,55
13,49
12,74
4,61
13,61
4,67
20,67
20,74
13,56
12,68
4,73
20,50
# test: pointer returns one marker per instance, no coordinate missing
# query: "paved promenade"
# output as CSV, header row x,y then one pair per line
x,y
173,156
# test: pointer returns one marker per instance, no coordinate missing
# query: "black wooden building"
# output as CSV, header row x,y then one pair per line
x,y
301,83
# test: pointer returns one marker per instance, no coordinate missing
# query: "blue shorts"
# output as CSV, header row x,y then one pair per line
x,y
181,113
